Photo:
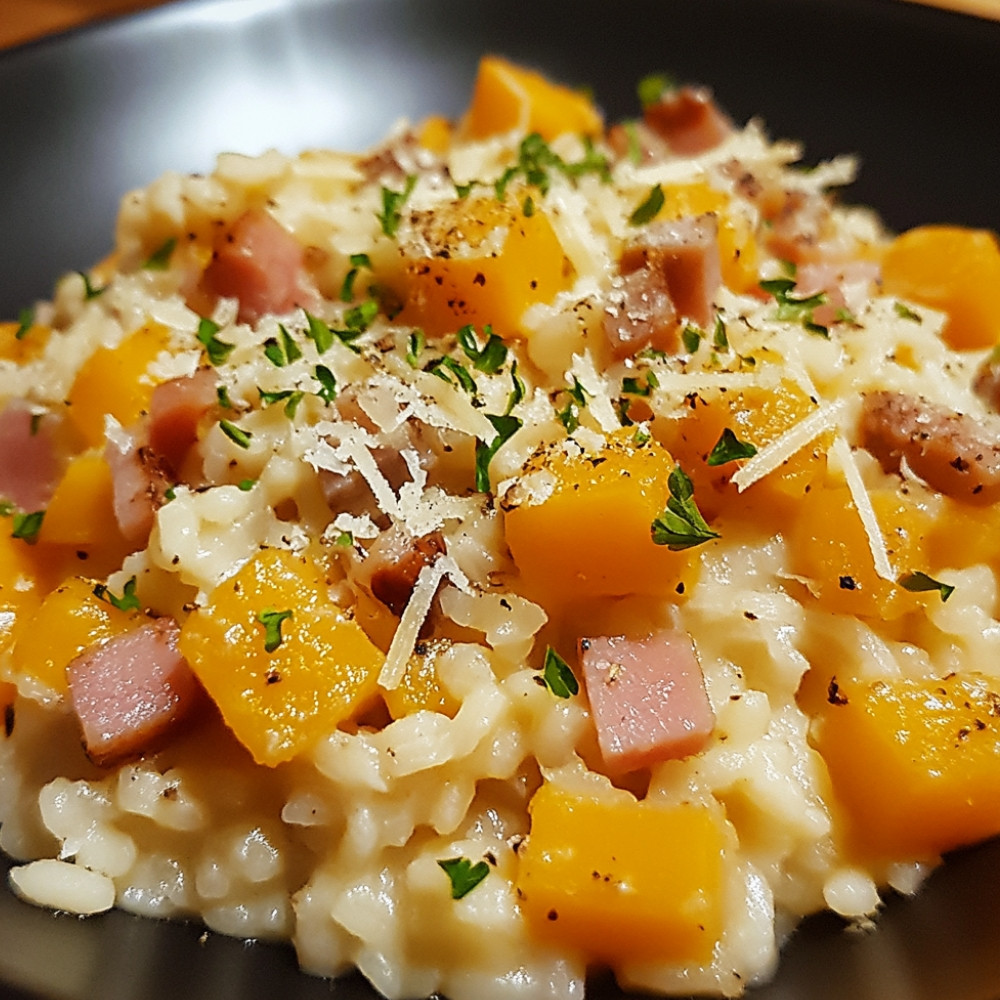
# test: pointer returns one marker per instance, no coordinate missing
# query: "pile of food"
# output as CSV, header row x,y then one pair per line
x,y
527,547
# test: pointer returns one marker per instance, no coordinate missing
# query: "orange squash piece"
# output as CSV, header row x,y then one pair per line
x,y
279,699
434,133
915,763
487,264
69,620
25,348
952,269
507,97
114,381
757,416
591,537
829,547
420,689
623,880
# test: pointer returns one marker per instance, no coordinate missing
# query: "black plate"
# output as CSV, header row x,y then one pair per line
x,y
86,116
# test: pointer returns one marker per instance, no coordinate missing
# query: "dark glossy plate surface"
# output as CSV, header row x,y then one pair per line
x,y
85,117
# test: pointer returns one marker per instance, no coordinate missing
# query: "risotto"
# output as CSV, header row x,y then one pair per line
x,y
527,547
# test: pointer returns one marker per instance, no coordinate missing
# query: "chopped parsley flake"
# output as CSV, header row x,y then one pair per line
x,y
720,339
89,291
327,384
222,395
729,448
159,259
358,261
649,208
918,582
25,321
535,158
246,485
271,620
681,525
281,350
517,392
903,311
415,347
558,676
652,88
27,526
569,415
128,601
217,350
632,386
691,337
792,308
441,366
344,539
634,146
392,205
464,875
235,434
490,357
506,426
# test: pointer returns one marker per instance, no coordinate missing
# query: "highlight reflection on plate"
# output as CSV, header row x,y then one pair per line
x,y
87,116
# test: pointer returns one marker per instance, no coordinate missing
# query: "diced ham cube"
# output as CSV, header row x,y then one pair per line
x,y
394,563
688,120
131,691
641,314
29,461
175,410
647,698
686,253
260,264
139,483
952,452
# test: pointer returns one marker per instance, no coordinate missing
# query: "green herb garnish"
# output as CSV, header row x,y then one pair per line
x,y
129,601
358,261
792,308
25,321
558,676
392,205
27,526
650,207
490,357
89,291
729,448
327,384
415,347
681,525
283,350
506,426
271,620
159,259
918,583
235,434
903,311
217,350
464,875
691,337
652,88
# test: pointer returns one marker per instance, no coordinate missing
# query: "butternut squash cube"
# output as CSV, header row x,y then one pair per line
x,y
952,269
282,662
507,97
915,763
591,536
623,880
487,263
420,689
829,546
69,620
81,511
115,381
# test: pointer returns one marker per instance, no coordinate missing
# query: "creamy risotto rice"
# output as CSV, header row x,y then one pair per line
x,y
526,547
